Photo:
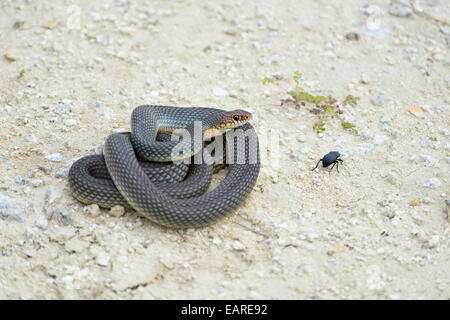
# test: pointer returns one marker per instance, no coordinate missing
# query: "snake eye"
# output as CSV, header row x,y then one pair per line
x,y
236,117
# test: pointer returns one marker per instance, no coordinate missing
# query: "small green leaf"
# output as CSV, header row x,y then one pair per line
x,y
267,80
318,99
297,76
349,126
351,100
293,94
330,108
301,95
319,126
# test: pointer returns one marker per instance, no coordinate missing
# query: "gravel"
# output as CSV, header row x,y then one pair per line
x,y
365,148
41,223
63,171
76,245
364,78
117,211
400,8
380,99
102,259
14,208
379,139
54,157
377,229
305,149
61,215
432,183
220,92
101,109
427,158
352,36
92,209
63,109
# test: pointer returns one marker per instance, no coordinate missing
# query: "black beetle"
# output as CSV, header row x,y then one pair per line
x,y
330,158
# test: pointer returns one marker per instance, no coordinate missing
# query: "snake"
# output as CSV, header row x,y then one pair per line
x,y
163,180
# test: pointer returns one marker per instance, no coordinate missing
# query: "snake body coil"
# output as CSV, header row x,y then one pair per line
x,y
119,178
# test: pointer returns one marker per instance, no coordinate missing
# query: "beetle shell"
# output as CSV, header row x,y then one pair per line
x,y
330,158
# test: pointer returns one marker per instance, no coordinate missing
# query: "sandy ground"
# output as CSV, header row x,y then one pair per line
x,y
72,72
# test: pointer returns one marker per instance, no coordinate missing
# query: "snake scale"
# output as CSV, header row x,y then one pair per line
x,y
142,171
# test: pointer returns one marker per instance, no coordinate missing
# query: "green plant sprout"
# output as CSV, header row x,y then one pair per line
x,y
267,80
331,110
349,126
319,126
350,100
22,73
321,103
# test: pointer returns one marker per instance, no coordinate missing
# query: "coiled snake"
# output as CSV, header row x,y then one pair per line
x,y
156,189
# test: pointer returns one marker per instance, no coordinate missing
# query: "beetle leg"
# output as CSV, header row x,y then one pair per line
x,y
317,164
333,166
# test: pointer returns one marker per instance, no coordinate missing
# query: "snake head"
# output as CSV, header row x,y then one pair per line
x,y
234,119
229,120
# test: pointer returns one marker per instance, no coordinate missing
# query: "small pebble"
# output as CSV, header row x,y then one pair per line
x,y
426,158
420,65
36,183
61,215
400,8
238,246
379,139
10,56
220,92
274,178
47,168
393,179
305,149
99,149
41,222
101,109
70,122
21,180
433,241
418,112
117,211
365,148
444,29
432,183
55,157
92,209
63,171
364,78
102,259
31,138
63,109
380,99
18,24
14,208
385,119
352,36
